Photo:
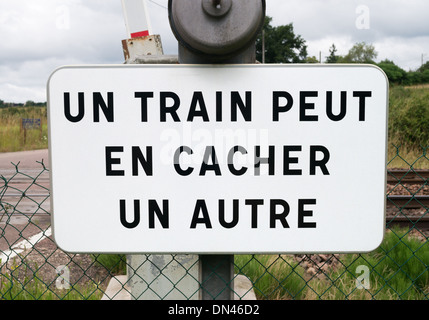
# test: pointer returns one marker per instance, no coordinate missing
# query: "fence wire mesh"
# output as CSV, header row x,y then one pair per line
x,y
33,267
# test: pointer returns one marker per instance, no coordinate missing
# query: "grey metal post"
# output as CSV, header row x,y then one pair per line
x,y
216,32
153,277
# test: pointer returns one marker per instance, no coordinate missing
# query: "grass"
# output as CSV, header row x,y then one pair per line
x,y
273,277
409,117
25,284
401,157
32,287
114,263
408,128
13,138
398,269
35,289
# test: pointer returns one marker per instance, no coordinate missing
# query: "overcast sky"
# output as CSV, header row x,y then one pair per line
x,y
37,36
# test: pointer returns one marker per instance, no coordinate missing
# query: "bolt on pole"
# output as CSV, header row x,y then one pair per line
x,y
216,32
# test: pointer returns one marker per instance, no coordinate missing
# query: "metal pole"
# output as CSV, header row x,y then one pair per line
x,y
263,46
165,276
216,32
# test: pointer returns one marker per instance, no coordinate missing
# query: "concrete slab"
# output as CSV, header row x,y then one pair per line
x,y
118,289
243,288
26,159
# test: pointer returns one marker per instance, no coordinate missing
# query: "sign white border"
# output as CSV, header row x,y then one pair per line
x,y
85,202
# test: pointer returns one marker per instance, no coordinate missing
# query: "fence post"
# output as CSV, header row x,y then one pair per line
x,y
216,32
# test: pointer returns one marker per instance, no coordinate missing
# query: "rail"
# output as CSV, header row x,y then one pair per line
x,y
407,176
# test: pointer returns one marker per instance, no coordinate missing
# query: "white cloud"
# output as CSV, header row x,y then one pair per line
x,y
40,35
15,93
399,29
405,52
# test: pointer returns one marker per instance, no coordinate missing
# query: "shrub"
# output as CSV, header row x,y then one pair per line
x,y
409,117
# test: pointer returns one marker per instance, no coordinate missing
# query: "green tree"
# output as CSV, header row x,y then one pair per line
x,y
312,59
424,67
425,76
281,44
424,73
393,72
360,53
332,58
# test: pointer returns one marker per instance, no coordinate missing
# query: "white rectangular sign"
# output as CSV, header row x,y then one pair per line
x,y
218,159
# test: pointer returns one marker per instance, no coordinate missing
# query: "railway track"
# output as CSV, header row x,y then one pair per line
x,y
24,196
400,206
421,223
403,176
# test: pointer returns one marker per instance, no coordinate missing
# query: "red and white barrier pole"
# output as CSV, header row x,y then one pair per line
x,y
136,18
140,42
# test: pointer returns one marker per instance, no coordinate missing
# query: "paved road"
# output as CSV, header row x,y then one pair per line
x,y
23,217
26,159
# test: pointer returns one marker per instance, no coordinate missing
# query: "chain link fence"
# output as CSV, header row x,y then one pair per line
x,y
33,267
